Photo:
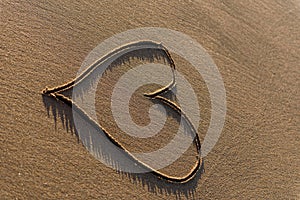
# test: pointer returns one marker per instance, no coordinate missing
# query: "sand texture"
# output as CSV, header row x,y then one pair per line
x,y
256,46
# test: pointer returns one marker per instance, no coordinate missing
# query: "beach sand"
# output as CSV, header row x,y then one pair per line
x,y
255,45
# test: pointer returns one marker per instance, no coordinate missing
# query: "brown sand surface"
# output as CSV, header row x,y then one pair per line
x,y
256,46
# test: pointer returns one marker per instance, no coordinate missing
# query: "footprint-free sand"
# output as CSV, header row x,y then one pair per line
x,y
255,45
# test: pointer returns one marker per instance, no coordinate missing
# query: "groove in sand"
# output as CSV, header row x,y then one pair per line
x,y
108,59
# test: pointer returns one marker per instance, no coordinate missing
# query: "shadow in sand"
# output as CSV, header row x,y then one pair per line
x,y
94,139
144,55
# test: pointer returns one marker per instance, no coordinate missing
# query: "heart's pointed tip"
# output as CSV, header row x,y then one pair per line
x,y
45,91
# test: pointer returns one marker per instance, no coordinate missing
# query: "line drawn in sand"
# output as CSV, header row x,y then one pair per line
x,y
109,58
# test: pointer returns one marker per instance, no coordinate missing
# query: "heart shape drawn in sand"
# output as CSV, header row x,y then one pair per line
x,y
57,93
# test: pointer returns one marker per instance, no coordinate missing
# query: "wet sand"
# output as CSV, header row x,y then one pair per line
x,y
255,46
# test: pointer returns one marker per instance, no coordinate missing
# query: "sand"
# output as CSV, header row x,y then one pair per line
x,y
255,46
